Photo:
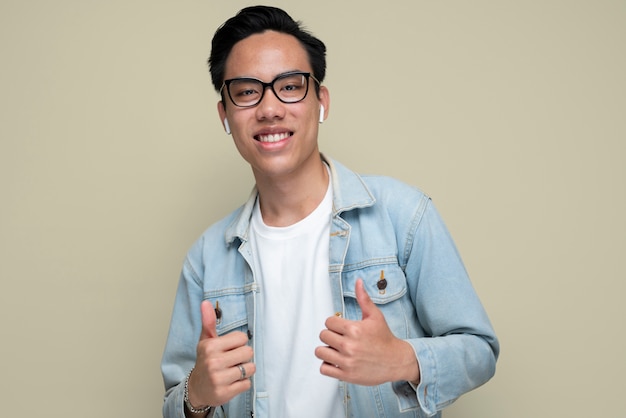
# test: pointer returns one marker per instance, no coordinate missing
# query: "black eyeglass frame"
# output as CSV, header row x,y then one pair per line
x,y
265,85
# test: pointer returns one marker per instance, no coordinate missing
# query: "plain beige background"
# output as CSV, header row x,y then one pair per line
x,y
510,114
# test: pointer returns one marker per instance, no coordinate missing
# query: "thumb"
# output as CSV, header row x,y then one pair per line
x,y
368,308
209,320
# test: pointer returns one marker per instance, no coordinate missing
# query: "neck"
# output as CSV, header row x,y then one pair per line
x,y
287,200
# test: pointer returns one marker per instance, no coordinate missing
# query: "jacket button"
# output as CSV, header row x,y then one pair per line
x,y
382,283
218,313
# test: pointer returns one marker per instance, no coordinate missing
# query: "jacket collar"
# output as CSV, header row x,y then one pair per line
x,y
349,192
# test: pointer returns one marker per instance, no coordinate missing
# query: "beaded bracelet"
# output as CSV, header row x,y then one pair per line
x,y
203,409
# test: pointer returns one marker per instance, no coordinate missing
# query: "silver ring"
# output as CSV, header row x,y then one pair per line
x,y
243,371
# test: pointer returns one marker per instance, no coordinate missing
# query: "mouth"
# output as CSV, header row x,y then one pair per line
x,y
273,137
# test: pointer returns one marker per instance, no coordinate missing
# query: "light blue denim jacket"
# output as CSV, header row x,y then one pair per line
x,y
378,224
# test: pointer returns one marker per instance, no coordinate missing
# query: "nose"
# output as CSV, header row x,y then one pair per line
x,y
270,107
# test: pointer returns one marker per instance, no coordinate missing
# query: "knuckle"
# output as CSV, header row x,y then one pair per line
x,y
347,347
354,330
214,363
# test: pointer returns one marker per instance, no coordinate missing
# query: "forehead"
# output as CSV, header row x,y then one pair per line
x,y
265,55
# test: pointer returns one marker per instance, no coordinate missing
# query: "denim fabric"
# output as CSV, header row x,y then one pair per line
x,y
378,224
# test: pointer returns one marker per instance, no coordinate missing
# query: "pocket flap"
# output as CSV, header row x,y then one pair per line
x,y
384,282
230,308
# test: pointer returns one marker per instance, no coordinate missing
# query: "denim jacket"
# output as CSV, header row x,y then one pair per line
x,y
378,224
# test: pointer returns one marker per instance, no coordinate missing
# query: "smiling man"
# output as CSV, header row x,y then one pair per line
x,y
327,294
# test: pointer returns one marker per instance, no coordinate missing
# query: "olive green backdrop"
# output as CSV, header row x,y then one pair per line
x,y
510,114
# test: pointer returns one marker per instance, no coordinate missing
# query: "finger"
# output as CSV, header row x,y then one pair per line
x,y
330,338
337,325
209,320
328,355
237,387
331,370
368,308
243,371
235,354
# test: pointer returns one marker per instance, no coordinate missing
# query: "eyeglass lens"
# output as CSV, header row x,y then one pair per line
x,y
248,92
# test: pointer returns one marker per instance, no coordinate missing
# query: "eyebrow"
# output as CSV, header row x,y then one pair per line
x,y
275,77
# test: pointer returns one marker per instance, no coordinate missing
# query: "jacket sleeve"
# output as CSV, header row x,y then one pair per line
x,y
180,349
461,348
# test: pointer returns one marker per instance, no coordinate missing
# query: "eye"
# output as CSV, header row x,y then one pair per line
x,y
246,92
292,84
245,89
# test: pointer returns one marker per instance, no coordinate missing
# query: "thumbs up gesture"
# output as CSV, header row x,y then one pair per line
x,y
365,352
222,364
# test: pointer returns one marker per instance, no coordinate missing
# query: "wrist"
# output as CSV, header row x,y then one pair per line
x,y
203,409
411,368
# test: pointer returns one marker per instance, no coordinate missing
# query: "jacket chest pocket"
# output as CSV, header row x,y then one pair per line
x,y
385,284
230,308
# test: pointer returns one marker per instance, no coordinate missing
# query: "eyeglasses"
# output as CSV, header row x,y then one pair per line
x,y
288,88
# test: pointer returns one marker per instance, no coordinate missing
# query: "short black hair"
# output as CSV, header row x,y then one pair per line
x,y
258,19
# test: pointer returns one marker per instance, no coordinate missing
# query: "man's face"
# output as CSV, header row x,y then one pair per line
x,y
277,139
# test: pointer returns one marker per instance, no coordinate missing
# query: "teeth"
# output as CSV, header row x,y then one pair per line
x,y
273,137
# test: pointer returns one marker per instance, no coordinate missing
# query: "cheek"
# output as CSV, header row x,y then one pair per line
x,y
239,122
310,115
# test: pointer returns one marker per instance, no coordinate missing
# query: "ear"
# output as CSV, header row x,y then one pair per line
x,y
222,113
324,98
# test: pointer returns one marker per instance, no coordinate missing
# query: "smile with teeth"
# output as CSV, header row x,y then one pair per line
x,y
273,137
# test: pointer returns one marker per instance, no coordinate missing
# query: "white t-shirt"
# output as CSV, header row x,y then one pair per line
x,y
291,267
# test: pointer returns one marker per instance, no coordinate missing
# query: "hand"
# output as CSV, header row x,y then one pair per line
x,y
215,379
365,352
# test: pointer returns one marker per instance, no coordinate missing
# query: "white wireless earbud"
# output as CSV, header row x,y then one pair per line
x,y
226,126
321,113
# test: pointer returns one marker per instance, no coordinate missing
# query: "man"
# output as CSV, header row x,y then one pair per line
x,y
327,294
